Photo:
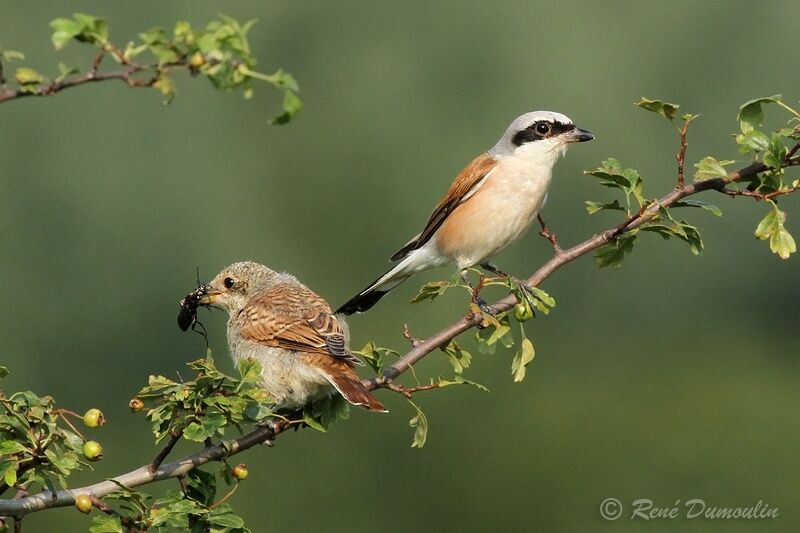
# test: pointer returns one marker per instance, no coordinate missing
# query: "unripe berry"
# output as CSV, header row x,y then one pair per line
x,y
92,450
94,418
522,311
240,472
197,60
136,404
84,503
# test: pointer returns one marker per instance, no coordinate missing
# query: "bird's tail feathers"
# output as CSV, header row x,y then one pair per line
x,y
376,290
355,392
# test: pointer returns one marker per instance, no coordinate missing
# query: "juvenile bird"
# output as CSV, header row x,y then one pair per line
x,y
491,203
290,330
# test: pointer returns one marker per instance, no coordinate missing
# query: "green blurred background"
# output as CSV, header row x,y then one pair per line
x,y
675,377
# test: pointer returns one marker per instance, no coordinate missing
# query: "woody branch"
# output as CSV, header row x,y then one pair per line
x,y
420,348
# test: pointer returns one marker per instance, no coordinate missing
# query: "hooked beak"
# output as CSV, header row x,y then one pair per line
x,y
579,135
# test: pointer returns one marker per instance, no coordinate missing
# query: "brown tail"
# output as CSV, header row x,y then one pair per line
x,y
355,392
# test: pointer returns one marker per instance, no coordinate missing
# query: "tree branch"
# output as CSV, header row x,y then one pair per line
x,y
420,348
442,337
126,75
142,475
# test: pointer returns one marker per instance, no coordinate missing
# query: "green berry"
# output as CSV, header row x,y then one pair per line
x,y
240,472
92,450
94,418
522,311
84,503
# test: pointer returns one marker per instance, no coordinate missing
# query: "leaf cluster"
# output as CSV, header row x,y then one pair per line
x,y
39,447
204,407
195,508
220,52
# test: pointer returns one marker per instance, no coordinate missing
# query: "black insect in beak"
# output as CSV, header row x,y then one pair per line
x,y
187,317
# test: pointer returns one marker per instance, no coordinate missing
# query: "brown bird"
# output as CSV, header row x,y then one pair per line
x,y
290,330
490,204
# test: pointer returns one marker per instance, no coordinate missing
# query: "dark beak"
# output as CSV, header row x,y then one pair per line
x,y
579,135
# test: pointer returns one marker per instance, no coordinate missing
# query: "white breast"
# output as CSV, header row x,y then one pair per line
x,y
498,213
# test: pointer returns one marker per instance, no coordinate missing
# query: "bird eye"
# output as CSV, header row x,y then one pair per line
x,y
228,283
542,128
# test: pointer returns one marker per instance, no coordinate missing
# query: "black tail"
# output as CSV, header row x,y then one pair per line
x,y
362,301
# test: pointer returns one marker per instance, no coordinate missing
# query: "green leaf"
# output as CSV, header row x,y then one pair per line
x,y
775,153
11,55
309,419
669,227
612,174
542,301
10,475
711,208
461,380
106,524
167,88
376,355
751,116
223,516
772,227
291,106
594,207
613,253
458,357
420,425
4,371
431,291
521,359
753,140
664,109
28,76
64,30
710,168
201,486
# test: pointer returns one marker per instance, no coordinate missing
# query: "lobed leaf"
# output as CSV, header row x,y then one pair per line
x,y
524,356
613,253
665,109
751,115
710,168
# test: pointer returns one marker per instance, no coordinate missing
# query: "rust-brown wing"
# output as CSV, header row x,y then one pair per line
x,y
461,189
293,317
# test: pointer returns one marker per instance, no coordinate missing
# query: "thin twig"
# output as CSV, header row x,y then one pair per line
x,y
226,497
407,335
547,234
408,391
173,440
681,155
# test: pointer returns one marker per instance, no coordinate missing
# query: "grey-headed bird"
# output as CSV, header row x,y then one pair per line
x,y
289,329
491,204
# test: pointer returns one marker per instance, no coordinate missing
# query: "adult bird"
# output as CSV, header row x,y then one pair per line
x,y
490,204
289,329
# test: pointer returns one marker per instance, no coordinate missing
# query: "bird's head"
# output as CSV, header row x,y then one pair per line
x,y
236,284
540,135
